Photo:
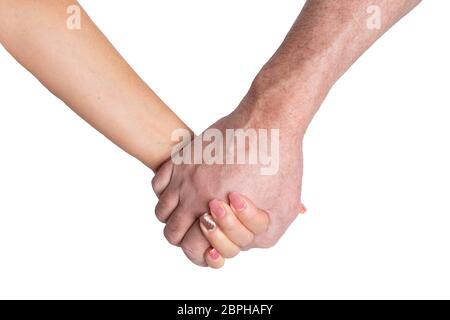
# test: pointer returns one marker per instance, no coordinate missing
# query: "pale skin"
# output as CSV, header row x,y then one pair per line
x,y
83,69
327,38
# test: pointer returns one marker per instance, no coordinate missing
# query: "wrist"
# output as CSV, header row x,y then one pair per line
x,y
163,147
286,97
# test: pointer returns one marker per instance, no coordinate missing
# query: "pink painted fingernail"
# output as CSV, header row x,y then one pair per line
x,y
214,254
217,208
237,201
208,222
302,209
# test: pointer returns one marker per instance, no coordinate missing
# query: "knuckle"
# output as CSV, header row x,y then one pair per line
x,y
261,230
160,212
268,242
228,227
162,218
198,178
247,241
267,245
193,255
155,184
172,235
197,175
231,253
163,178
261,227
165,206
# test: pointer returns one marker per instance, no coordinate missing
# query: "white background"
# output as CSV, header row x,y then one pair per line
x,y
76,213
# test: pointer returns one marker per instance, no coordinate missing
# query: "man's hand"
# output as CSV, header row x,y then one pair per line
x,y
327,38
185,190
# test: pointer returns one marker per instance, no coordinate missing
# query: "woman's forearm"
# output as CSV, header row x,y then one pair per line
x,y
83,69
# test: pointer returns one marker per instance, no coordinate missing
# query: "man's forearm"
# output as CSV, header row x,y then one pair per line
x,y
83,69
327,38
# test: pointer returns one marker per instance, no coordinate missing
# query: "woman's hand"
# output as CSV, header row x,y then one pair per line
x,y
232,228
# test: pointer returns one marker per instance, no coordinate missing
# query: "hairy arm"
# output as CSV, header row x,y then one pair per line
x,y
83,69
326,39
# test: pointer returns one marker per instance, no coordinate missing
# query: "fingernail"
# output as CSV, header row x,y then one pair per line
x,y
208,222
217,208
214,254
237,201
302,209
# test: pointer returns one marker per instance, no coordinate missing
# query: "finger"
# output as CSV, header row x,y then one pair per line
x,y
214,259
217,238
162,178
168,202
195,244
178,224
229,224
254,219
